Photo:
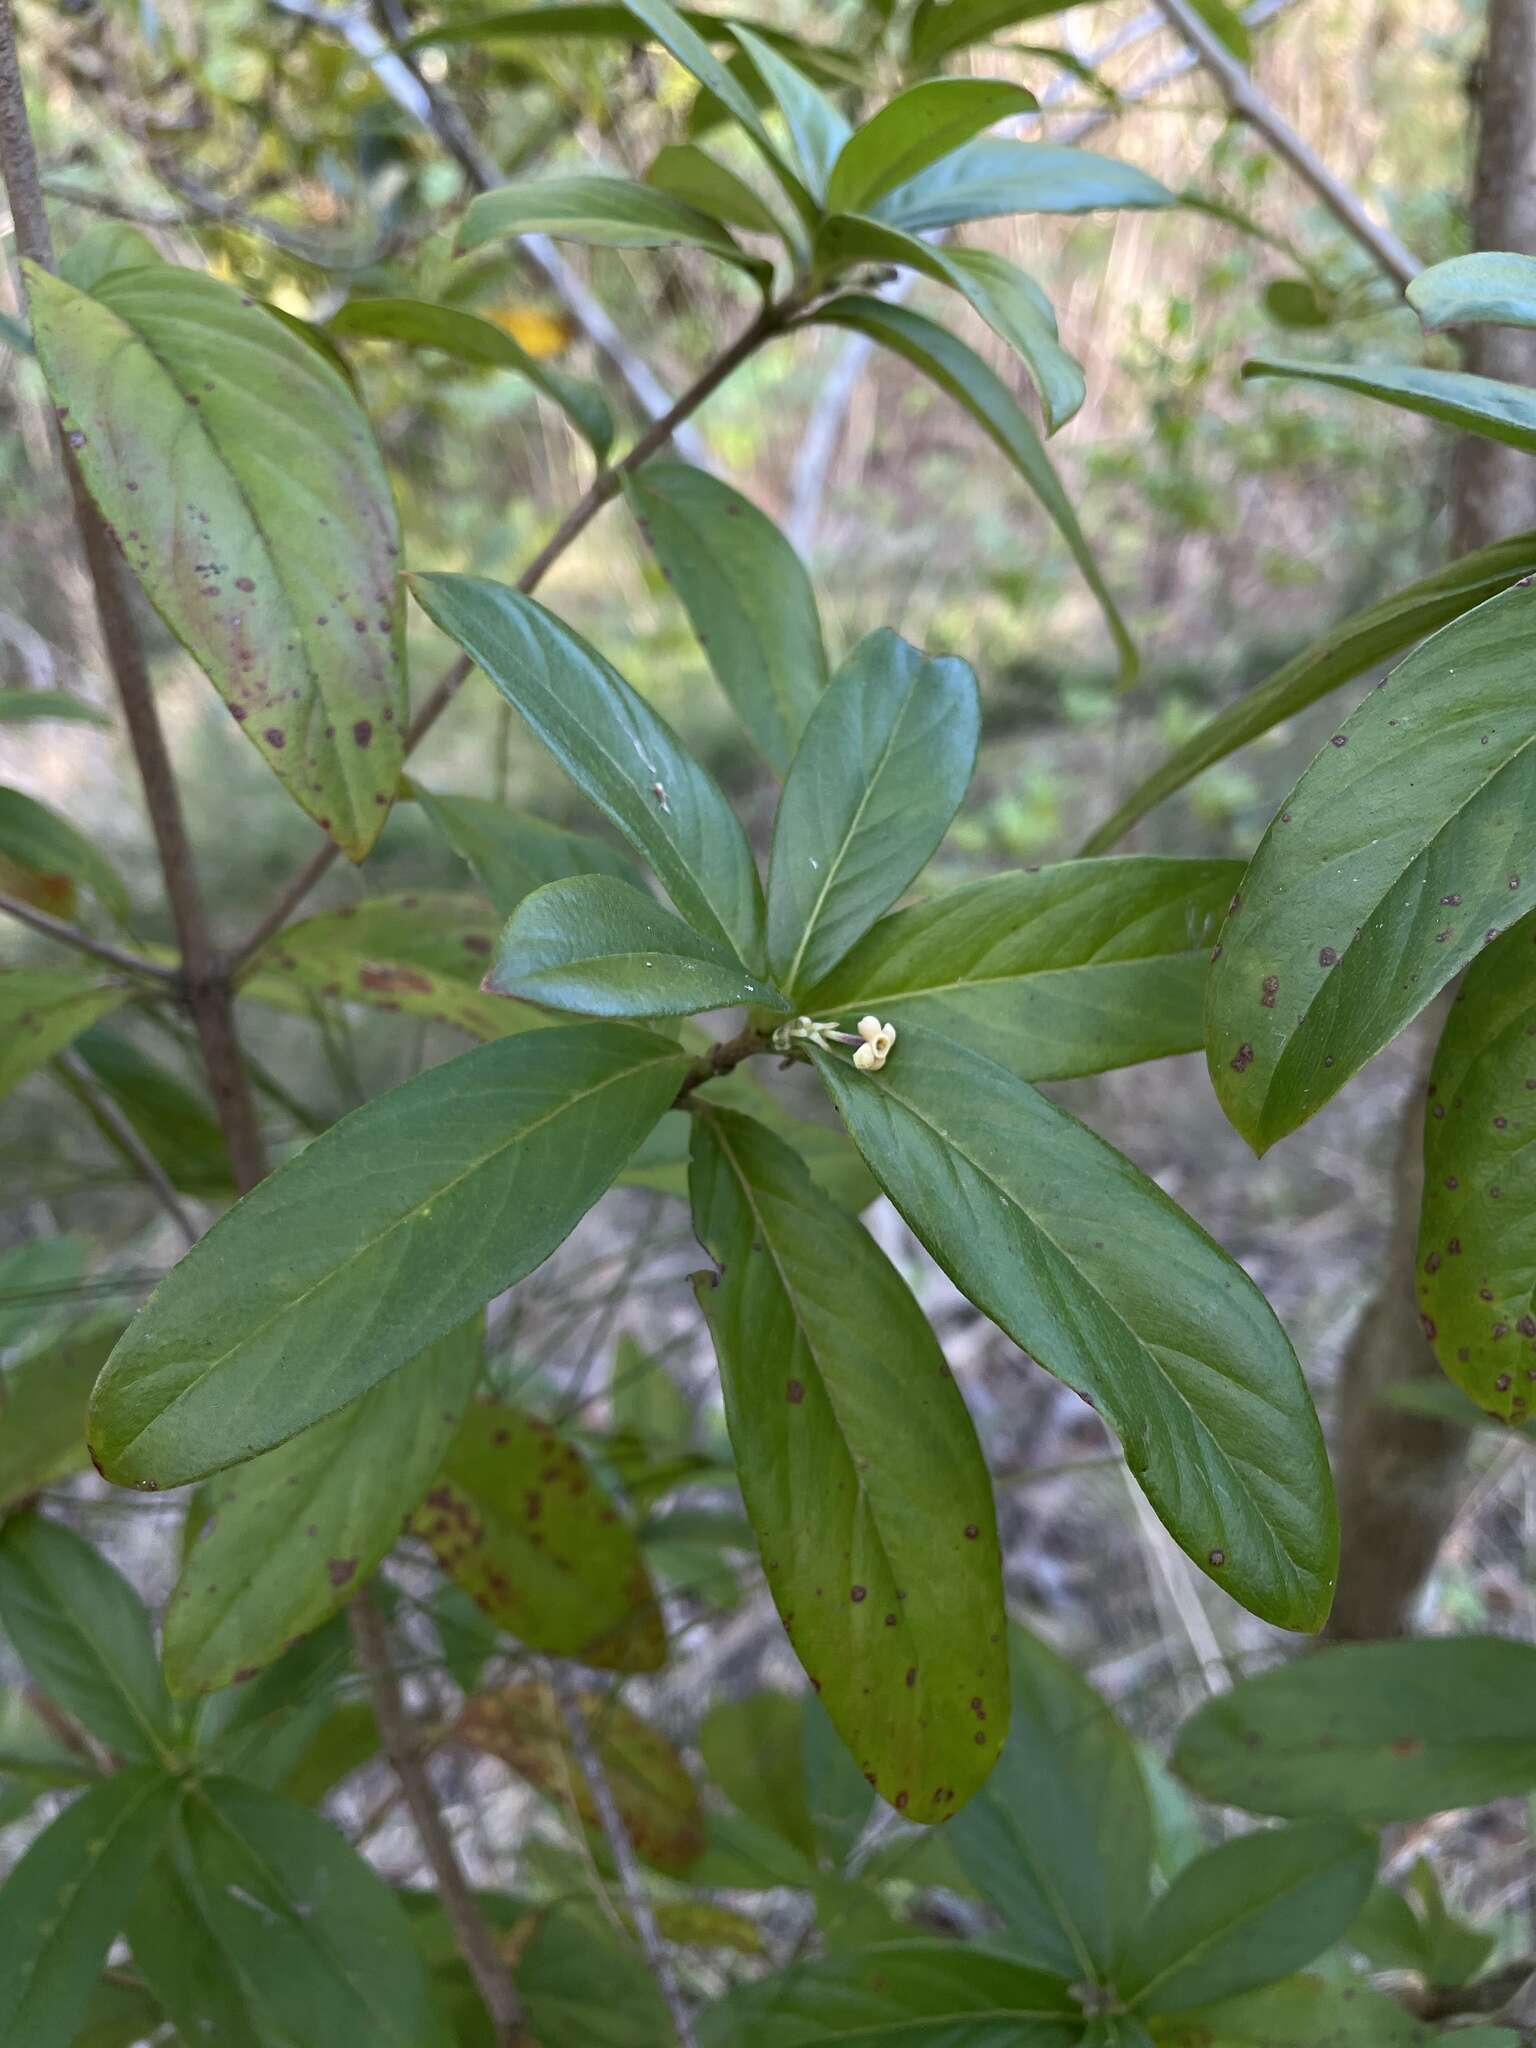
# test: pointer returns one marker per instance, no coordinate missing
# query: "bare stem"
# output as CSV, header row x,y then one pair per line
x,y
206,987
477,1945
1249,104
83,1083
604,487
636,1898
71,935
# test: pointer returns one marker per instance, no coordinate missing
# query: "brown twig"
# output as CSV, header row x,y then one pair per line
x,y
636,1898
1249,104
477,1945
79,1078
721,1059
71,935
604,487
206,987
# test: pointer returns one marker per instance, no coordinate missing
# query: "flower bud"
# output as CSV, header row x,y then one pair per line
x,y
869,1029
867,1060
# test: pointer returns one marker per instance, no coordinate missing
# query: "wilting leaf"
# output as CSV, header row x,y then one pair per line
x,y
1059,1839
241,479
66,1898
1247,1913
1090,1268
1476,1248
289,1537
615,748
1051,972
420,952
522,1724
38,839
1375,1731
860,1470
395,1225
516,1517
880,772
82,1632
599,946
747,594
1404,849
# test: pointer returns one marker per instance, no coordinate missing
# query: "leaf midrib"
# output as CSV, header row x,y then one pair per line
x,y
409,1216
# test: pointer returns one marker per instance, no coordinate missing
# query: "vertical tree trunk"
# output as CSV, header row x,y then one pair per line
x,y
1397,1473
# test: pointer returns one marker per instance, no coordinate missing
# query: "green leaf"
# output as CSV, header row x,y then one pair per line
x,y
615,748
1227,26
1475,1228
1247,1913
65,1900
880,772
686,172
290,1536
942,26
860,1471
109,246
516,1517
469,339
645,1401
600,946
42,1403
1007,298
1347,650
959,371
746,594
752,1749
39,1278
175,1123
1094,1272
917,128
82,1632
910,1994
1392,863
1053,972
1387,1932
43,1008
684,38
1491,286
1477,405
523,1725
1307,2012
1297,302
816,127
1455,1951
1372,1731
36,837
242,480
1059,1839
419,952
385,1234
319,1943
179,1958
614,213
31,1753
580,1983
511,853
996,176
836,1790
21,707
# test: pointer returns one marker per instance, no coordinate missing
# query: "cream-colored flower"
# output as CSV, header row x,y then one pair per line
x,y
869,1029
867,1060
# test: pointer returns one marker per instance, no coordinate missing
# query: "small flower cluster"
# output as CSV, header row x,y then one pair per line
x,y
872,1041
878,1039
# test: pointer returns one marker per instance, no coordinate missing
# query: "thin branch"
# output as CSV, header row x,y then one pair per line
x,y
207,989
1249,104
79,1078
83,942
476,1943
604,487
631,1883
